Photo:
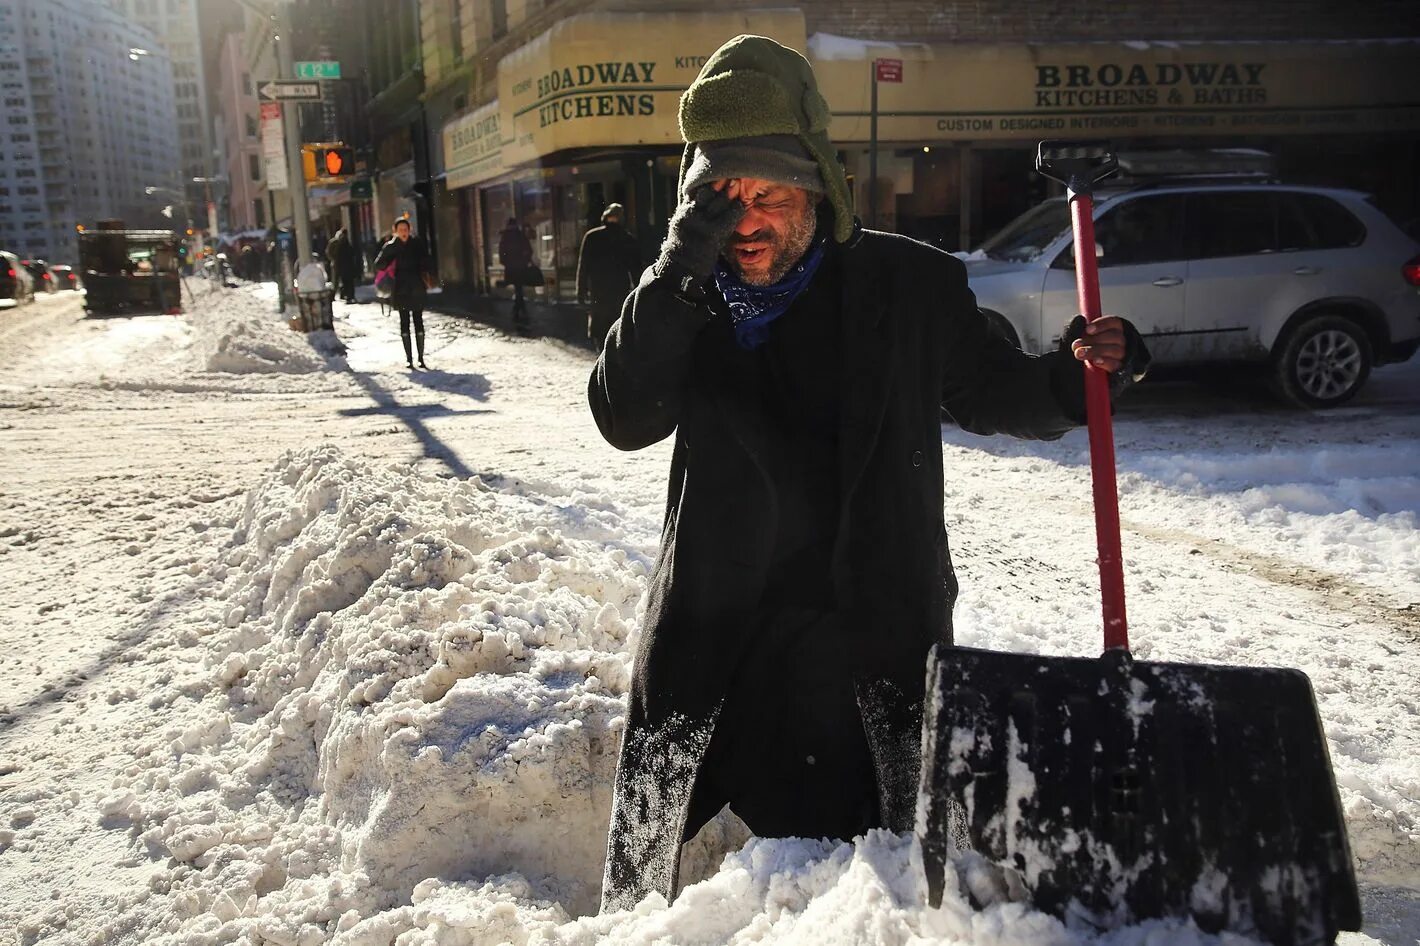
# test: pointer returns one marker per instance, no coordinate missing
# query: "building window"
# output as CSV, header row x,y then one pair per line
x,y
500,18
246,83
251,127
456,30
254,166
258,212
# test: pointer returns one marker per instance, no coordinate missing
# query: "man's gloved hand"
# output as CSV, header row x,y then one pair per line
x,y
1114,345
699,229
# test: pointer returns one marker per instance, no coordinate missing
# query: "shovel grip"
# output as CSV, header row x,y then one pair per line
x,y
1101,430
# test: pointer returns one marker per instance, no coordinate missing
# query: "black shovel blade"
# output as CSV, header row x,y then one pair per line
x,y
1119,790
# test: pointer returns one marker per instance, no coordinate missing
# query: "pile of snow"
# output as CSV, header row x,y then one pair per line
x,y
405,725
416,678
242,335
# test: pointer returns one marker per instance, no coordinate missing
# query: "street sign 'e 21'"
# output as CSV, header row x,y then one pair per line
x,y
318,70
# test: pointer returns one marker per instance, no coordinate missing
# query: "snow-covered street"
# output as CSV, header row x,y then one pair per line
x,y
303,648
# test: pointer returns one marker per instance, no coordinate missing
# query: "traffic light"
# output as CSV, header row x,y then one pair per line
x,y
336,161
327,162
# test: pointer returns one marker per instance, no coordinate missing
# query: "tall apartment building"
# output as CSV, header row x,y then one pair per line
x,y
176,24
239,129
89,123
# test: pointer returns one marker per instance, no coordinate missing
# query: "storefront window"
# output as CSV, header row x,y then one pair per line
x,y
497,209
571,224
534,213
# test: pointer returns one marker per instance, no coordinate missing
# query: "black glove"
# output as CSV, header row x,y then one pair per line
x,y
698,232
1136,354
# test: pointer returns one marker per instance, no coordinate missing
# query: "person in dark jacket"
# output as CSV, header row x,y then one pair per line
x,y
607,267
516,254
412,275
344,264
802,364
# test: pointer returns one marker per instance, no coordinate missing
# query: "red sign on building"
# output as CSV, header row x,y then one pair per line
x,y
888,70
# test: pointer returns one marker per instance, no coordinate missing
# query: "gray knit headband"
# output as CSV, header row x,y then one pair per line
x,y
778,158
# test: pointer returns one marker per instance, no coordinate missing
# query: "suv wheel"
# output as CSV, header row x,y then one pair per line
x,y
1324,362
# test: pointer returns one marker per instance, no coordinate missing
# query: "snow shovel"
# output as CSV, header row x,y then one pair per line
x,y
1113,790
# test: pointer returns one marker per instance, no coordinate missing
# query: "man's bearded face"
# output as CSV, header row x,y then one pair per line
x,y
775,233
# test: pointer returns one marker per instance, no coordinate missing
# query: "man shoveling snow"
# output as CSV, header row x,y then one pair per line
x,y
802,363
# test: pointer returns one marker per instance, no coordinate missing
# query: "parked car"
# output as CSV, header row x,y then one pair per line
x,y
65,277
40,272
1315,285
16,283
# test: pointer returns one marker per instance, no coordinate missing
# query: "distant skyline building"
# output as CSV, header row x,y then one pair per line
x,y
89,121
177,27
238,128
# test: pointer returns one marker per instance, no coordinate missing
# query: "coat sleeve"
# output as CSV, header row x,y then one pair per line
x,y
583,265
382,259
989,386
637,387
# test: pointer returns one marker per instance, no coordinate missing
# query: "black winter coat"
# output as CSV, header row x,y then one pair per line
x,y
913,344
412,265
608,264
344,265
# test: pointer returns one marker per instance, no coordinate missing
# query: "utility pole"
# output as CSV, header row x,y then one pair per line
x,y
873,146
290,122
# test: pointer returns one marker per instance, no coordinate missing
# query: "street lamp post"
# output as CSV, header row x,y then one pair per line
x,y
177,196
277,13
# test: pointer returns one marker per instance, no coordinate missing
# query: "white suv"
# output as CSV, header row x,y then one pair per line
x,y
1316,284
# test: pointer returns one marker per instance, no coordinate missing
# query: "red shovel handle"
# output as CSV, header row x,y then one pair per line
x,y
1101,427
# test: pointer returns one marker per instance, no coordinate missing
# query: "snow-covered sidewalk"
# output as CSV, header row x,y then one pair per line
x,y
305,648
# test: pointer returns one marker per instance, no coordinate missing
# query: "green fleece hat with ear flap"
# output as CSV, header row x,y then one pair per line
x,y
753,87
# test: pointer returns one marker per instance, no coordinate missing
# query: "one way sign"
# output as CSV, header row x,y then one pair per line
x,y
290,91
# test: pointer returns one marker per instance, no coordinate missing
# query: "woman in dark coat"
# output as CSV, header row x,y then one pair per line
x,y
412,273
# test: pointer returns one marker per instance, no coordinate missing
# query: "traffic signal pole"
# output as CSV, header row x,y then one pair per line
x,y
290,124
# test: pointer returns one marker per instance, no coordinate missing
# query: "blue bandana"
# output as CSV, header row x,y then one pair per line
x,y
752,308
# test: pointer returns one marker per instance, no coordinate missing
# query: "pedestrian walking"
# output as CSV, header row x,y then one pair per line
x,y
516,254
607,267
412,274
804,573
344,264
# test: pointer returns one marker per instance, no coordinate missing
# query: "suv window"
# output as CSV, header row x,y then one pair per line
x,y
1026,237
1239,223
1138,230
1141,230
1329,225
1234,223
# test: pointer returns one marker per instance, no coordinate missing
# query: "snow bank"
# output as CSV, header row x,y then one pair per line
x,y
427,675
242,335
404,725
